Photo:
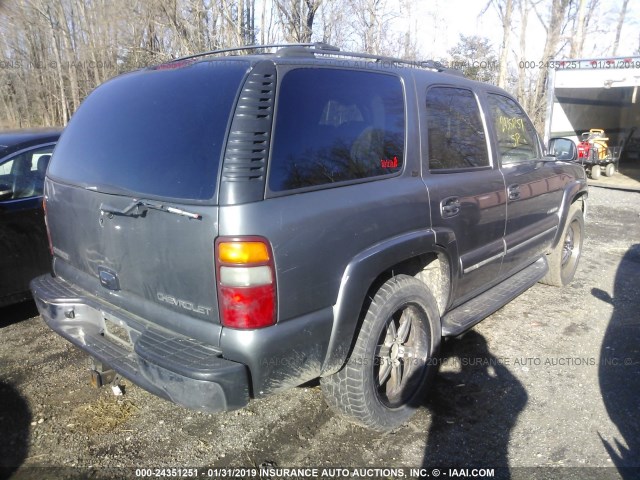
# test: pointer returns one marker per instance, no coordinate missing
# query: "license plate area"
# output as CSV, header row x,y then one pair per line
x,y
117,332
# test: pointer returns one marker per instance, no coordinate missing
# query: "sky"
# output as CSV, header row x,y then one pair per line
x,y
442,21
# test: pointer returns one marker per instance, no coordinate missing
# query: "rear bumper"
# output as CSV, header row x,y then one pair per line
x,y
167,364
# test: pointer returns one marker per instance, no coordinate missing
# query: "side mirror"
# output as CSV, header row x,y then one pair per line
x,y
6,192
563,149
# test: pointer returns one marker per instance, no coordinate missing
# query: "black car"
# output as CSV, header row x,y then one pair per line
x,y
24,249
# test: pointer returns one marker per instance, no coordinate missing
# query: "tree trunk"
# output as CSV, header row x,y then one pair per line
x,y
63,102
556,18
577,40
524,16
263,24
504,51
623,12
69,54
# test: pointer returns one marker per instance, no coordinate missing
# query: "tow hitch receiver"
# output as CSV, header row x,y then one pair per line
x,y
101,374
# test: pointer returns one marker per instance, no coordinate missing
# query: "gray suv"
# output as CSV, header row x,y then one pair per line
x,y
225,227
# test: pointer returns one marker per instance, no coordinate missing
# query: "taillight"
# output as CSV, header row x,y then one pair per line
x,y
246,282
46,223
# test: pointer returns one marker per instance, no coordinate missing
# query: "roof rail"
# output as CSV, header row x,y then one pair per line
x,y
320,48
425,64
316,46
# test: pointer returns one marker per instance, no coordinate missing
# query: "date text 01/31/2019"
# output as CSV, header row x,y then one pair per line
x,y
575,64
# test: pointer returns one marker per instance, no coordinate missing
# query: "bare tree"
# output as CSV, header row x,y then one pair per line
x,y
505,12
522,56
336,30
409,49
577,39
63,49
55,52
370,24
583,26
553,23
267,27
296,18
623,12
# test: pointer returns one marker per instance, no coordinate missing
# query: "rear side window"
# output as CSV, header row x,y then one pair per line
x,y
24,173
156,133
336,125
456,136
6,167
517,139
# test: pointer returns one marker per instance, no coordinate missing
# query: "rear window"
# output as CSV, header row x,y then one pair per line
x,y
155,133
336,125
456,134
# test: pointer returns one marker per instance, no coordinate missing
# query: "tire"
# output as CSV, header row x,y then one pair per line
x,y
563,260
385,378
609,170
595,172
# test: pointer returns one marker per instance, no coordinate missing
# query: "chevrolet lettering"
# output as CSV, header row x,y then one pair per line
x,y
184,304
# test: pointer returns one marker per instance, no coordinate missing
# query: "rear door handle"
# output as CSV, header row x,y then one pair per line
x,y
450,207
514,192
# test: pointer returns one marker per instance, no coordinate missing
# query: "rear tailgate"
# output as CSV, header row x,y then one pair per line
x,y
131,193
154,265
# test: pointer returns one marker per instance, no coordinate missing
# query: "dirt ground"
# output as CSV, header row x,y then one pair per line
x,y
547,387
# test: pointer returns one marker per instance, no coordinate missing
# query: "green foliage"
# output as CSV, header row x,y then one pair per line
x,y
475,56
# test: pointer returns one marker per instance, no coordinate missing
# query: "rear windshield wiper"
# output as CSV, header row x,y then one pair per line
x,y
138,207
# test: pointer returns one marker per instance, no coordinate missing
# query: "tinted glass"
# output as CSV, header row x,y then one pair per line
x,y
5,168
24,174
456,134
336,125
152,133
517,140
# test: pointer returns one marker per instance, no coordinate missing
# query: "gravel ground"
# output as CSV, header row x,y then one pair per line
x,y
550,380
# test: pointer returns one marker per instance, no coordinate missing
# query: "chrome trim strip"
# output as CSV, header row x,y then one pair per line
x,y
532,239
487,260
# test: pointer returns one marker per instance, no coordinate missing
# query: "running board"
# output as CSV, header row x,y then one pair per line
x,y
465,316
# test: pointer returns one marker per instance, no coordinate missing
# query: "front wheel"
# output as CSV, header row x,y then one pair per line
x,y
563,260
384,379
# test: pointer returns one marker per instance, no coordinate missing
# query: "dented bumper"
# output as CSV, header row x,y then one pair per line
x,y
170,365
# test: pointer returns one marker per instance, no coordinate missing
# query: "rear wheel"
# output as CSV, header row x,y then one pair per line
x,y
595,172
563,260
384,380
609,170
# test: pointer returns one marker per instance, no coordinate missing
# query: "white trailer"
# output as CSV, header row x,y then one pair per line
x,y
596,93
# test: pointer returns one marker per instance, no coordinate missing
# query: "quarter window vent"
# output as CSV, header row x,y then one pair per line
x,y
247,147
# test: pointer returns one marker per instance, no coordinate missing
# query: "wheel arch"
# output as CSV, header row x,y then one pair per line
x,y
575,191
416,254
